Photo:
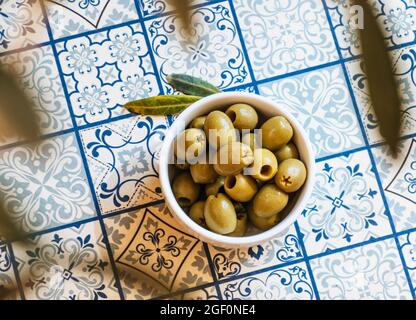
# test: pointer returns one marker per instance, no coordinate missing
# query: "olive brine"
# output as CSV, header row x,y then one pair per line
x,y
225,195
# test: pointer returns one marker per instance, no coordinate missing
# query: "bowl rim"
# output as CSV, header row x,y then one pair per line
x,y
210,236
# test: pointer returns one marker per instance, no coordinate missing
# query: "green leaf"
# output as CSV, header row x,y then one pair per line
x,y
161,105
191,85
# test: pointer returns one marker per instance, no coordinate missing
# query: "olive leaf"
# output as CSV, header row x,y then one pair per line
x,y
191,85
382,84
161,105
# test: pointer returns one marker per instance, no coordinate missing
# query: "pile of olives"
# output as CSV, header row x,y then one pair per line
x,y
224,195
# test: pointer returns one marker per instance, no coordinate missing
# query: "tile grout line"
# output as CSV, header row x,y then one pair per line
x,y
212,269
83,158
370,154
16,271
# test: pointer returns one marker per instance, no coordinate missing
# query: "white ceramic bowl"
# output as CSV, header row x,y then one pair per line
x,y
264,107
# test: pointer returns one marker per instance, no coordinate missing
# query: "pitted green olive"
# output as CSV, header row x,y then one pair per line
x,y
291,175
243,116
214,188
263,223
196,213
276,132
252,140
220,215
198,122
190,144
288,151
219,129
184,188
270,200
264,166
233,158
240,187
203,173
241,228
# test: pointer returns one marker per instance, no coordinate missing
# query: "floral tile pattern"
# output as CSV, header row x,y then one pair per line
x,y
105,70
397,19
154,257
66,265
369,272
68,17
408,248
346,205
209,293
122,157
285,36
404,64
232,262
289,283
213,53
398,177
321,102
155,7
7,277
21,24
45,186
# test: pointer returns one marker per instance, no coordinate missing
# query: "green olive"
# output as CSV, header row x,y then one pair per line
x,y
263,223
270,200
185,189
198,122
233,158
196,213
241,228
240,187
215,188
291,175
264,166
190,145
219,129
252,140
220,215
276,132
288,151
203,173
243,116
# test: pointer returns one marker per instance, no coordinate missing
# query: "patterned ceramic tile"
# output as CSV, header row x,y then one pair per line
x,y
408,248
66,265
38,75
21,24
213,53
155,7
405,70
105,70
289,283
232,262
370,272
346,205
397,18
285,36
7,277
69,17
122,158
398,177
153,256
45,186
209,293
320,100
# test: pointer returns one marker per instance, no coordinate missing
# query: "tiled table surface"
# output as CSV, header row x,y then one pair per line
x,y
90,193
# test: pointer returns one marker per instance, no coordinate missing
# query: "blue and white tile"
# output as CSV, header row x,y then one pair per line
x,y
346,206
156,7
404,67
408,248
285,36
38,75
398,177
21,24
69,264
288,283
370,272
69,17
396,18
155,257
7,276
105,70
122,157
232,262
209,293
45,186
213,52
321,102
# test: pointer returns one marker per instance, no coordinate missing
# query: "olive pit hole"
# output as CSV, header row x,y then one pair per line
x,y
266,170
231,182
